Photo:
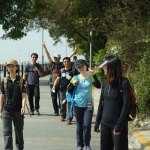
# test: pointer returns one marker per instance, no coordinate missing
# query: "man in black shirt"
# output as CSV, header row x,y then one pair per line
x,y
64,77
12,106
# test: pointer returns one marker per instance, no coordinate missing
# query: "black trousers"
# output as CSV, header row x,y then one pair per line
x,y
109,141
54,98
33,90
18,121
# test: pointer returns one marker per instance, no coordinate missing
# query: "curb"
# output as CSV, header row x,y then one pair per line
x,y
140,140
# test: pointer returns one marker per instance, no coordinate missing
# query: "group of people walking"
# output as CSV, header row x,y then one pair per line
x,y
79,78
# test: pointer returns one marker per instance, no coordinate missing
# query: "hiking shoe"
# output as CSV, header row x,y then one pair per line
x,y
62,119
37,112
88,148
79,148
31,112
69,122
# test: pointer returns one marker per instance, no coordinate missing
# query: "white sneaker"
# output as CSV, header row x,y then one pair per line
x,y
37,112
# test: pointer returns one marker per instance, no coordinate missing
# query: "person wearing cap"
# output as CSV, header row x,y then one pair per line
x,y
83,102
12,106
56,65
113,107
32,72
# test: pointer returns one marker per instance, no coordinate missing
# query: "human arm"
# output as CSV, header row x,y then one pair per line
x,y
96,82
39,70
55,83
24,75
1,103
99,111
24,95
76,48
2,97
125,107
47,53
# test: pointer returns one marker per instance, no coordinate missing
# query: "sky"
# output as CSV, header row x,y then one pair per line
x,y
32,43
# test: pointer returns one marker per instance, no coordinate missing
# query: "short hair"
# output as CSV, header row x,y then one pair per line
x,y
34,54
74,56
114,70
66,58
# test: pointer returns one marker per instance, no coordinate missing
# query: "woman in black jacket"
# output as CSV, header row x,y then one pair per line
x,y
113,107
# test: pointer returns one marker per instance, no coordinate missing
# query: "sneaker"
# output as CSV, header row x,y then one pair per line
x,y
69,122
88,148
37,112
62,119
79,148
56,114
31,112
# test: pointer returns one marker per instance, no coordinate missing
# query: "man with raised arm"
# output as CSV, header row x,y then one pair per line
x,y
56,65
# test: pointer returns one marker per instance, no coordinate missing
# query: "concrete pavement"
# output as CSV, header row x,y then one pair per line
x,y
48,133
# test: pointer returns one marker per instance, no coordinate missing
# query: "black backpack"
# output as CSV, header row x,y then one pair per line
x,y
133,108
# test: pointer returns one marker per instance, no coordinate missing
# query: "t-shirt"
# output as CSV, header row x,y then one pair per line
x,y
83,91
32,76
66,76
55,67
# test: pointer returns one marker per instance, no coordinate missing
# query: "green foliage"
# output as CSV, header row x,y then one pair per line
x,y
142,85
98,58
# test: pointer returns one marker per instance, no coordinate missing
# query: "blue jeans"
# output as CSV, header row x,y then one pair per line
x,y
84,120
18,121
54,98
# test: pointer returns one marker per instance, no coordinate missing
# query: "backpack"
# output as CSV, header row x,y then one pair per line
x,y
20,82
133,108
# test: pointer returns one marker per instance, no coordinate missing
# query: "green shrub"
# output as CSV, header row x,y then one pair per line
x,y
141,83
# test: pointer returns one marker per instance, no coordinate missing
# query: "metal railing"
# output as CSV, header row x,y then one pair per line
x,y
3,70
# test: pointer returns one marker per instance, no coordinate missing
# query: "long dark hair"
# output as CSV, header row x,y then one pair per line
x,y
114,70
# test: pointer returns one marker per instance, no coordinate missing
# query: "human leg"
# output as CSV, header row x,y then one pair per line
x,y
79,114
121,140
87,126
18,121
7,130
63,109
54,100
30,96
37,98
106,140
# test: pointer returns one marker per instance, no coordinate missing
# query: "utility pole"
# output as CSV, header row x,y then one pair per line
x,y
91,49
42,47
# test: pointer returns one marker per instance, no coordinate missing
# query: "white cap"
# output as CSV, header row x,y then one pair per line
x,y
57,55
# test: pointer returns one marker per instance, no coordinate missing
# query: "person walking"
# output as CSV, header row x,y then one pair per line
x,y
83,102
32,72
56,65
74,62
113,107
12,106
63,79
